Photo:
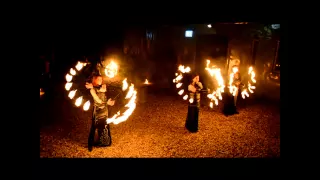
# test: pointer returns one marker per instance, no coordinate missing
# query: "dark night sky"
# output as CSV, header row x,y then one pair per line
x,y
79,39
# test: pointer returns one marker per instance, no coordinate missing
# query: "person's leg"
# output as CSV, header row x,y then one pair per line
x,y
92,132
235,98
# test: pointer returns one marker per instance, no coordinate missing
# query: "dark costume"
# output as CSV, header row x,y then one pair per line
x,y
99,119
230,106
193,109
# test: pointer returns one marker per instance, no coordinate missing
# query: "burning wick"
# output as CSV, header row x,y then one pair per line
x,y
181,92
68,77
185,97
79,66
72,93
68,86
124,84
72,71
78,101
179,85
191,100
86,105
146,81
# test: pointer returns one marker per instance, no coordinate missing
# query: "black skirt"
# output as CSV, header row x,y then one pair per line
x,y
192,118
100,126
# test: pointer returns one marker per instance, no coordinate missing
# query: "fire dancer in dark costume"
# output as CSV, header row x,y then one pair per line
x,y
231,101
193,108
100,113
237,83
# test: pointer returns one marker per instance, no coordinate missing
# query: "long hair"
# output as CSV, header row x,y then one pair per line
x,y
94,77
193,75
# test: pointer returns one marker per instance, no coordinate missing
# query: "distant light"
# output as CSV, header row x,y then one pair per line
x,y
275,26
209,26
188,33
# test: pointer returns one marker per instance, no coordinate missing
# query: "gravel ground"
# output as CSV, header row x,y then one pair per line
x,y
156,129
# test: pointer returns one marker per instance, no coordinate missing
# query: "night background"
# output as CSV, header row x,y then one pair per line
x,y
156,126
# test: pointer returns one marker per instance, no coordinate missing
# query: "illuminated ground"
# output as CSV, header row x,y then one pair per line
x,y
156,129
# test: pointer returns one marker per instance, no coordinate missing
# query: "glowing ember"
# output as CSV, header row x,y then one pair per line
x,y
176,74
72,94
185,97
181,92
179,85
68,86
68,77
78,101
216,73
79,66
211,104
86,106
146,81
174,80
124,84
72,71
111,69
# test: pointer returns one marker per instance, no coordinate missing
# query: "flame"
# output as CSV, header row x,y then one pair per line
x,y
41,92
185,97
86,105
179,85
68,86
146,81
130,92
68,77
111,69
132,95
79,66
124,84
72,94
244,93
211,105
191,100
183,69
78,101
181,92
72,71
216,73
179,77
232,88
250,87
253,74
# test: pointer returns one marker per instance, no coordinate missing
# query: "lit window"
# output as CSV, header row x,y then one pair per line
x,y
188,33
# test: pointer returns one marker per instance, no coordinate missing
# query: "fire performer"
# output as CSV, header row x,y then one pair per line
x,y
194,103
100,113
238,84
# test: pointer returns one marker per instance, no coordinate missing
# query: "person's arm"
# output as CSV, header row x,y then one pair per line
x,y
191,88
200,85
95,96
